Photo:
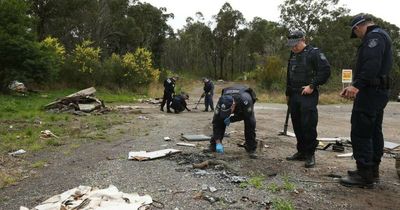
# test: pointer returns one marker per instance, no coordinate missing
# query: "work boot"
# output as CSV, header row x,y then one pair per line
x,y
362,178
252,154
162,109
206,110
375,173
296,156
310,161
169,111
210,149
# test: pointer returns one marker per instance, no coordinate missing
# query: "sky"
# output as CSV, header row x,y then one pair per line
x,y
266,9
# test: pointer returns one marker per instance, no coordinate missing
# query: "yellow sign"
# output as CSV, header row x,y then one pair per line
x,y
347,75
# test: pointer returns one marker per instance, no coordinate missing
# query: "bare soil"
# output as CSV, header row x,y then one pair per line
x,y
173,182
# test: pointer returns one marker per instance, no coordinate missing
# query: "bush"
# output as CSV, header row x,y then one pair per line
x,y
269,74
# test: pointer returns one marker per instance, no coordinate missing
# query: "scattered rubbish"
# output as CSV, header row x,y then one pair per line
x,y
200,172
47,134
185,144
18,152
17,87
85,198
390,145
210,199
83,100
200,137
212,189
397,165
143,155
143,117
151,101
204,187
238,179
167,138
345,155
329,139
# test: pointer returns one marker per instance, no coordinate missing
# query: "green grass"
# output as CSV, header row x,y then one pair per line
x,y
255,181
282,204
39,164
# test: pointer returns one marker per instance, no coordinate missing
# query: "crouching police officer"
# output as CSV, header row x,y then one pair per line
x,y
179,103
208,94
235,104
369,90
308,68
169,91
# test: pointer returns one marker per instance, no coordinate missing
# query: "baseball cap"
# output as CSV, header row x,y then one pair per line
x,y
357,20
225,103
294,37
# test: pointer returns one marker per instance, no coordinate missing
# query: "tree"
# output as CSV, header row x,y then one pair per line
x,y
306,15
228,22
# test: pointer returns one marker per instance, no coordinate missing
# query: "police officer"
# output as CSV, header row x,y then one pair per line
x,y
179,103
169,91
235,104
369,90
308,68
208,94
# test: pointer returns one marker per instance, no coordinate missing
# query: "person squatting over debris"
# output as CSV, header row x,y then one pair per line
x,y
308,68
169,91
208,94
179,103
235,104
370,91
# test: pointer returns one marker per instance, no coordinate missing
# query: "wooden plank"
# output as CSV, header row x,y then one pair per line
x,y
143,155
185,144
345,155
84,92
200,137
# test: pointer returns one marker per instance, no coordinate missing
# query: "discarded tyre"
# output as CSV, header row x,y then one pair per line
x,y
398,164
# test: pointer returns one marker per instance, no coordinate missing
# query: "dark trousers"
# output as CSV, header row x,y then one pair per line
x,y
208,101
167,98
249,132
304,114
366,127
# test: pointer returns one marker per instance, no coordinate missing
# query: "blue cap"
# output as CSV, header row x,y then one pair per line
x,y
224,106
357,20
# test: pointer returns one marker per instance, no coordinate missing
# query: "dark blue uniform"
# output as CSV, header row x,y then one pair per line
x,y
209,93
374,63
309,67
244,99
179,104
169,91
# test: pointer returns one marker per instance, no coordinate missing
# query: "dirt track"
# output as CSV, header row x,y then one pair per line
x,y
173,182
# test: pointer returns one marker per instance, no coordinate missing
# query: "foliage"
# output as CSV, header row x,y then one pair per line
x,y
282,204
270,73
138,68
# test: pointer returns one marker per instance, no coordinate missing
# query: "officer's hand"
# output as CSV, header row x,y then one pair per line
x,y
349,92
227,121
219,148
287,100
307,90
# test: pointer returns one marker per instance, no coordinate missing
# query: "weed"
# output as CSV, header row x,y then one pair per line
x,y
273,187
282,204
287,185
39,164
6,180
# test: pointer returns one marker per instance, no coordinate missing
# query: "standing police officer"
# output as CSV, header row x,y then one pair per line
x,y
308,68
235,104
179,103
169,91
208,94
369,90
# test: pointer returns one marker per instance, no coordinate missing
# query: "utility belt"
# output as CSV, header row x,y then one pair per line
x,y
382,82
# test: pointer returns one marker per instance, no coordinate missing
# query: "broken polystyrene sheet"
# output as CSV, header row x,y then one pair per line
x,y
390,145
345,155
88,107
185,144
18,152
334,139
167,138
200,137
88,198
143,155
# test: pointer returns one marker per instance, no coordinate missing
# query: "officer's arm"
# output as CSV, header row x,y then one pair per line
x,y
372,55
322,69
287,92
218,128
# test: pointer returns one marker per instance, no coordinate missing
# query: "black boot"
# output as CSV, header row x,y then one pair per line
x,y
210,149
297,156
162,109
362,178
310,161
375,173
169,111
252,154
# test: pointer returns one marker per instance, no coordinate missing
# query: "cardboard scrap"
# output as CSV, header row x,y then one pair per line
x,y
88,198
143,155
200,137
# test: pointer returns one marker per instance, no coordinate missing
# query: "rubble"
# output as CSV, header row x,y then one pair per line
x,y
83,101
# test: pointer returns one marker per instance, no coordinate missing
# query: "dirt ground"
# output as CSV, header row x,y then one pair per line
x,y
173,182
